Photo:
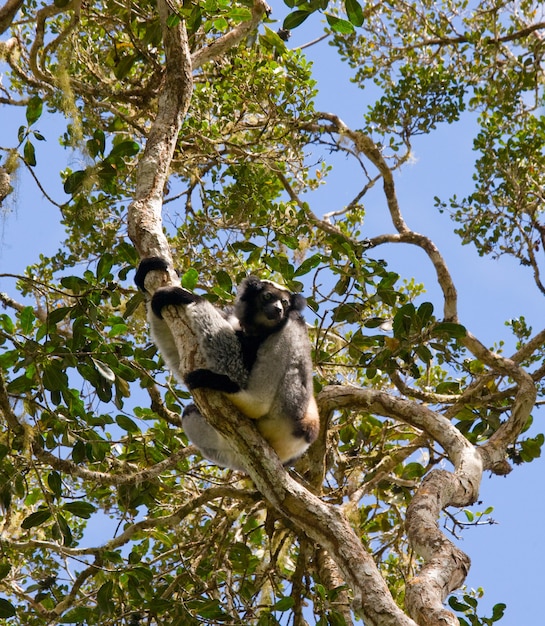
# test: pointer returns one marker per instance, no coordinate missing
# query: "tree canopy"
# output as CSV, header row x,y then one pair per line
x,y
198,138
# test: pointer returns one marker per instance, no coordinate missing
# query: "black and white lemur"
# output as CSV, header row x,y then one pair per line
x,y
258,353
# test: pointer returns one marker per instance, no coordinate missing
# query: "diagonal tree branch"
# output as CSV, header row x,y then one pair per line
x,y
220,46
8,12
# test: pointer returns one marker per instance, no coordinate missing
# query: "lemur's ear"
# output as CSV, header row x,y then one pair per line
x,y
298,302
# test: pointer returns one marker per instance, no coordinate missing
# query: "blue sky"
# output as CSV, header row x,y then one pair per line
x,y
507,556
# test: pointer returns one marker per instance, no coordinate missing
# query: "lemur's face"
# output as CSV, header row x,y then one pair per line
x,y
262,306
273,305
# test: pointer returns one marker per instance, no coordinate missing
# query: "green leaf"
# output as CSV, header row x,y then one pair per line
x,y
284,604
424,353
104,267
27,318
29,153
74,283
239,14
295,19
497,611
132,305
6,608
224,281
403,320
55,483
374,322
79,453
56,315
36,519
456,331
125,149
343,27
5,569
354,12
97,143
221,24
79,615
308,265
74,182
190,278
34,109
21,384
80,509
412,471
65,529
455,604
54,377
7,324
425,311
104,597
125,65
450,387
126,423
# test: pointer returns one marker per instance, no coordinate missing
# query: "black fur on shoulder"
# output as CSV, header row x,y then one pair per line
x,y
171,296
147,265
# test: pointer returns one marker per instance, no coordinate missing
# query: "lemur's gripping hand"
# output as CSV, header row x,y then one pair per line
x,y
207,379
150,264
171,296
165,296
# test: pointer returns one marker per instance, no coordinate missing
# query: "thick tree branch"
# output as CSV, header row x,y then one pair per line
x,y
321,522
446,566
8,12
144,215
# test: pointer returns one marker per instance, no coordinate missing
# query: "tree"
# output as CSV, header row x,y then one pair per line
x,y
195,122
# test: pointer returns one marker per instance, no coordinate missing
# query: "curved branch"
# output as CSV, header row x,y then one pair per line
x,y
445,565
450,307
461,453
365,145
493,452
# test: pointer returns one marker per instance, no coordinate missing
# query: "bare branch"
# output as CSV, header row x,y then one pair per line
x,y
446,566
367,146
321,522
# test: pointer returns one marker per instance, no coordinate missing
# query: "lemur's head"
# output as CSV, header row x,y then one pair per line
x,y
263,306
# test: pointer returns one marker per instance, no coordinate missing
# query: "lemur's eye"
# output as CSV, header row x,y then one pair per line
x,y
267,296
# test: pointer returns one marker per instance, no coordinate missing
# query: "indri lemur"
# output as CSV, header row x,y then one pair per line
x,y
258,353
